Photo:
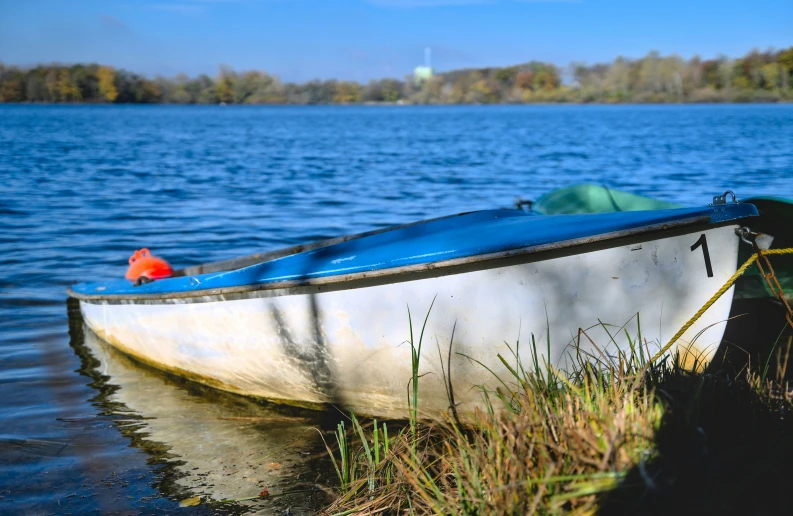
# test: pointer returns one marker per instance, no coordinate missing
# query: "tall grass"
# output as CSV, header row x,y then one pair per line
x,y
547,441
544,438
415,362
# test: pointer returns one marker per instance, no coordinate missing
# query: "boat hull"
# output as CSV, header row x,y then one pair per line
x,y
347,344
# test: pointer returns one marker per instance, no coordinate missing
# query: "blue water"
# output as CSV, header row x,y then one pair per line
x,y
84,186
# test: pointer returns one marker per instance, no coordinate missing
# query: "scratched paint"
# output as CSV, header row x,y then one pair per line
x,y
349,346
634,273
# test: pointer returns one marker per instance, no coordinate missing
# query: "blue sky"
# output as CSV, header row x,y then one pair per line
x,y
363,39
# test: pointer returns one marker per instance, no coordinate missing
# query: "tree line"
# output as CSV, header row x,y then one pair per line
x,y
758,76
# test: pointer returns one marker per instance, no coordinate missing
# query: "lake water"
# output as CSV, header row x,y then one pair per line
x,y
84,429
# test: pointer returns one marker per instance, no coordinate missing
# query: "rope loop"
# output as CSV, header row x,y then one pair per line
x,y
770,277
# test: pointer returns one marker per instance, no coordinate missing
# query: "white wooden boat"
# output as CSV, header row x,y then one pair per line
x,y
328,323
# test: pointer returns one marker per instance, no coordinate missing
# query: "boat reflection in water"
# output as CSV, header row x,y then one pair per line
x,y
213,444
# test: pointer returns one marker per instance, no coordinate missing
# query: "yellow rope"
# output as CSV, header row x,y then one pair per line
x,y
788,250
717,295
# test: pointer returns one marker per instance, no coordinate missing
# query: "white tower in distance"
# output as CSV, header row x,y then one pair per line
x,y
424,73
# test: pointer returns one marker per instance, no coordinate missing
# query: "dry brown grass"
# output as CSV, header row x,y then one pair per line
x,y
616,437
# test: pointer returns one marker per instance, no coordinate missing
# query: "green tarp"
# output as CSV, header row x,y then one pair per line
x,y
595,199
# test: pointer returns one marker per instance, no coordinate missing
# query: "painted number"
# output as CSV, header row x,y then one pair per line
x,y
703,242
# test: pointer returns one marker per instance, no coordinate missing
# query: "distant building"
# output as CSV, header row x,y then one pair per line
x,y
423,73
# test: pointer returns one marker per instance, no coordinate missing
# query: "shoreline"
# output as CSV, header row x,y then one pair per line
x,y
411,104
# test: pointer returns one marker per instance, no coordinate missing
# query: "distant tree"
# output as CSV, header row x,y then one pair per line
x,y
483,91
200,90
546,79
346,92
224,85
711,73
107,83
317,92
61,86
693,74
786,58
525,80
506,76
772,76
618,78
11,85
385,90
649,73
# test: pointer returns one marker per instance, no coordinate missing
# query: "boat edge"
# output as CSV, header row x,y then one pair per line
x,y
380,274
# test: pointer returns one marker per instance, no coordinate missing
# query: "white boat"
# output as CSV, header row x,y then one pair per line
x,y
328,323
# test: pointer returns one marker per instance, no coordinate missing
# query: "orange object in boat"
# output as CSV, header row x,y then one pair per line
x,y
143,264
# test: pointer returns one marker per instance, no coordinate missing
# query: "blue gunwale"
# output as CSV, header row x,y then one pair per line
x,y
468,235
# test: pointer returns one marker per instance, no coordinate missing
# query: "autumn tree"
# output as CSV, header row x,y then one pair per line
x,y
107,83
346,92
